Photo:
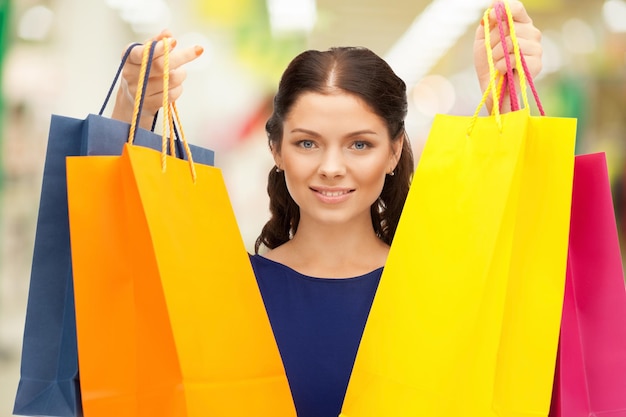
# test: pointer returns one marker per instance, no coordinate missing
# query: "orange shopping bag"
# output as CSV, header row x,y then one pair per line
x,y
170,320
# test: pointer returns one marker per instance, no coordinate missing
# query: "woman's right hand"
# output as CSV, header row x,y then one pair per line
x,y
125,99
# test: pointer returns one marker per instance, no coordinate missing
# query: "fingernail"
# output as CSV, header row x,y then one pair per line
x,y
198,50
173,42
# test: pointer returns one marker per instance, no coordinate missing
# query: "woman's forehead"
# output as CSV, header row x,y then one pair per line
x,y
336,104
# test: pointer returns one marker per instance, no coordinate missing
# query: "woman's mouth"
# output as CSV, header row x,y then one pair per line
x,y
332,195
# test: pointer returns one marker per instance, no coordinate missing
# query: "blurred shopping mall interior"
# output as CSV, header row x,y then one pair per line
x,y
60,57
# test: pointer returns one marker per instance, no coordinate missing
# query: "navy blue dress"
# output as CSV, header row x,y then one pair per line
x,y
318,324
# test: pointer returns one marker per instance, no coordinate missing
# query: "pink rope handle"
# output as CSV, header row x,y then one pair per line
x,y
508,77
532,87
500,8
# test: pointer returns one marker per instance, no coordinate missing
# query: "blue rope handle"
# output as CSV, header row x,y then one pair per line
x,y
117,76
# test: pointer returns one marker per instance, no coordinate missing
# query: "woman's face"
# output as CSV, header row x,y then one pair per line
x,y
335,153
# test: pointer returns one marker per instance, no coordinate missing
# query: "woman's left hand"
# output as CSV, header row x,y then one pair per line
x,y
528,37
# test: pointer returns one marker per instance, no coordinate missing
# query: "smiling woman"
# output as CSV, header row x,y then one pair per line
x,y
350,107
335,156
343,166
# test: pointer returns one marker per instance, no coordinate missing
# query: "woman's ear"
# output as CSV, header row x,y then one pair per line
x,y
396,152
277,158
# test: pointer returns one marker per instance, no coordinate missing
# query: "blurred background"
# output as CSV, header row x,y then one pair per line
x,y
60,56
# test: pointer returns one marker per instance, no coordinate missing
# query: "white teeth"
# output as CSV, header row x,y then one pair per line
x,y
333,193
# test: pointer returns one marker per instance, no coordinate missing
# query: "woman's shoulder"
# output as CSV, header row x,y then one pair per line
x,y
260,261
264,266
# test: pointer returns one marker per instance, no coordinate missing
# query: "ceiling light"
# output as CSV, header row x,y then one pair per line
x,y
578,36
144,16
291,16
614,13
430,36
433,94
35,23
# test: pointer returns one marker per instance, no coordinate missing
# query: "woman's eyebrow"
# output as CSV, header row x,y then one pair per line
x,y
362,132
351,134
307,131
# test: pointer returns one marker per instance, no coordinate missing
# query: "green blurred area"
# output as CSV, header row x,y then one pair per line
x,y
256,48
5,11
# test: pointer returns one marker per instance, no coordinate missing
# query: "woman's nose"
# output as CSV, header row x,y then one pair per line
x,y
332,163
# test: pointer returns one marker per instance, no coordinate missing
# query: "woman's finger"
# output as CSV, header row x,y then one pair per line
x,y
518,12
155,83
531,51
527,48
177,58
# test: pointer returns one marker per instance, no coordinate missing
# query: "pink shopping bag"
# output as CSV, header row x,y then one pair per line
x,y
590,375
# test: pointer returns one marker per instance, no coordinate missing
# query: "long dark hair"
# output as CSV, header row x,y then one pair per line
x,y
356,71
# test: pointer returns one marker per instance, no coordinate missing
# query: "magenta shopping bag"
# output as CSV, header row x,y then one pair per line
x,y
590,375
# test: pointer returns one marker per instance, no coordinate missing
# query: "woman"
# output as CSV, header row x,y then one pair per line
x,y
342,170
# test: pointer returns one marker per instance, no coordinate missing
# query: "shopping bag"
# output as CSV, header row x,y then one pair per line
x,y
528,343
531,322
197,341
442,337
590,379
49,367
185,331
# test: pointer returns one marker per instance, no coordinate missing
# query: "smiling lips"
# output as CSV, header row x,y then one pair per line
x,y
332,195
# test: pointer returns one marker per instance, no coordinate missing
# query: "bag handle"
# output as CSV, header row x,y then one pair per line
x,y
491,87
179,149
117,76
170,110
506,80
500,8
496,90
142,82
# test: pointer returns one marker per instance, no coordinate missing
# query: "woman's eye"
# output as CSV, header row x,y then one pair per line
x,y
359,145
306,144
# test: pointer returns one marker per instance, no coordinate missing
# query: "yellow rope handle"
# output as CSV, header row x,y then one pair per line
x,y
192,166
493,74
499,93
169,113
168,124
491,87
166,101
142,77
172,132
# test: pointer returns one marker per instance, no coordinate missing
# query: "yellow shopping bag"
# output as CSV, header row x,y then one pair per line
x,y
466,317
197,341
532,315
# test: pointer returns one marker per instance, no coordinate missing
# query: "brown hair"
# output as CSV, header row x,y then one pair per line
x,y
356,71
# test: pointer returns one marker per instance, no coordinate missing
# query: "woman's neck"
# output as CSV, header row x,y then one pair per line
x,y
329,251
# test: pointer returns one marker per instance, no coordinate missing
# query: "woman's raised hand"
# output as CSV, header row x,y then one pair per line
x,y
125,99
528,37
